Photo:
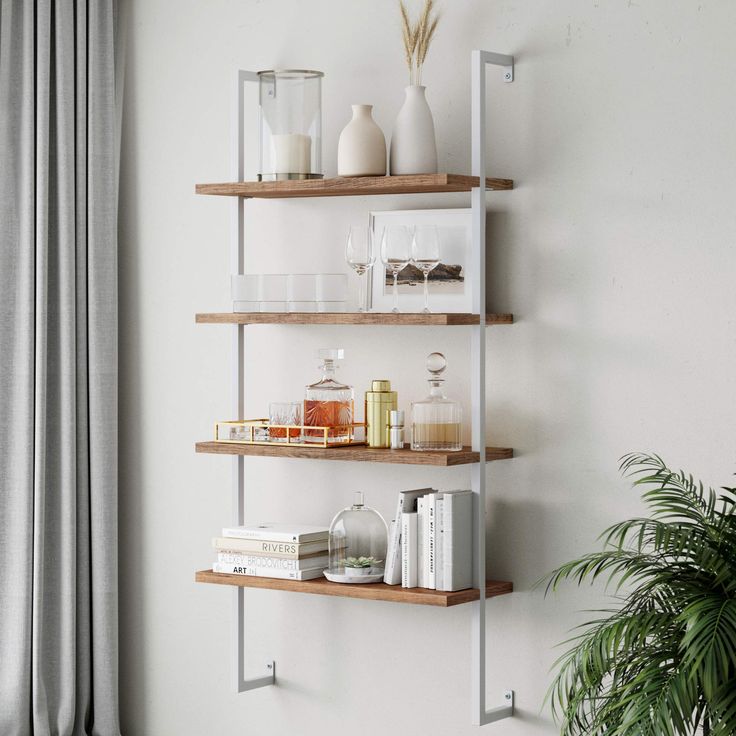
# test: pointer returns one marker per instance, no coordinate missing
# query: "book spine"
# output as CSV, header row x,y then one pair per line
x,y
391,566
458,541
463,549
392,573
421,542
289,550
269,535
447,543
263,572
439,560
431,558
276,563
409,549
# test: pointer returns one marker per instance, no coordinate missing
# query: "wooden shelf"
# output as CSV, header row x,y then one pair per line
x,y
352,186
347,318
357,453
370,591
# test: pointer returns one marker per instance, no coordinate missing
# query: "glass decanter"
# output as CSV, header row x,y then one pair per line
x,y
436,421
328,403
358,541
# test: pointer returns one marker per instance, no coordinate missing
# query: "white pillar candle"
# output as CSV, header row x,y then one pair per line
x,y
292,153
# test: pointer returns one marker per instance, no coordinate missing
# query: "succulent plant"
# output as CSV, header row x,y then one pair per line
x,y
359,562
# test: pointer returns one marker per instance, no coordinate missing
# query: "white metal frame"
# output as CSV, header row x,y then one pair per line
x,y
480,59
237,265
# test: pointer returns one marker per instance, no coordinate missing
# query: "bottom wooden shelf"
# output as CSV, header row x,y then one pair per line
x,y
370,591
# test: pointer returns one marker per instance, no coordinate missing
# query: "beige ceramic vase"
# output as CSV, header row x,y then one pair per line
x,y
361,150
413,146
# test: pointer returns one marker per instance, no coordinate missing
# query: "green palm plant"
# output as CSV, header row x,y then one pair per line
x,y
663,662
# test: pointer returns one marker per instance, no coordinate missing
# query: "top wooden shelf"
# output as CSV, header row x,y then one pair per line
x,y
352,186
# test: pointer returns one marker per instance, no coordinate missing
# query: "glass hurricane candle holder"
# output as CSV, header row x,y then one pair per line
x,y
290,124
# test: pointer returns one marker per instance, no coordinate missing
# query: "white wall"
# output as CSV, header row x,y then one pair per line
x,y
615,251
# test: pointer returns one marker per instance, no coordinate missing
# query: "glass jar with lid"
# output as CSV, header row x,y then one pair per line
x,y
291,124
357,544
436,421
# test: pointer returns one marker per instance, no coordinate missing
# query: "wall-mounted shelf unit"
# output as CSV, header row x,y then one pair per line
x,y
373,592
476,456
439,319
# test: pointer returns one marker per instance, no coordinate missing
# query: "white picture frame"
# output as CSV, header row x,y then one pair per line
x,y
447,293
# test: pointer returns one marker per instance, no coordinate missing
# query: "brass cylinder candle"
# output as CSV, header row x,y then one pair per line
x,y
379,401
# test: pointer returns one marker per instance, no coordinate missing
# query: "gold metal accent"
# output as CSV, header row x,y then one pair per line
x,y
252,435
379,401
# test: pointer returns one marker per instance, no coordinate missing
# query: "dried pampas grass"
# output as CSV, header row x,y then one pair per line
x,y
417,38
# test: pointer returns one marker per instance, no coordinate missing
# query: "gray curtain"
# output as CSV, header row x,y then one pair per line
x,y
58,369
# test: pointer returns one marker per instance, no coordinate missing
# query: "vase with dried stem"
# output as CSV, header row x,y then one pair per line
x,y
413,147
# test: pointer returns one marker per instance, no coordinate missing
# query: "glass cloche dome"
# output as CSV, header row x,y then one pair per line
x,y
358,542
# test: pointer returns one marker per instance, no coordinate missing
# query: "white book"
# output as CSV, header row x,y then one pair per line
x,y
409,549
265,572
457,540
270,549
278,532
394,532
430,507
421,543
438,546
406,502
274,563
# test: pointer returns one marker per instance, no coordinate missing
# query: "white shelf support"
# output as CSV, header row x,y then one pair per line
x,y
480,714
237,266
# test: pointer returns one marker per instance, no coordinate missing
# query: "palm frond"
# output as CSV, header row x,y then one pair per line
x,y
663,662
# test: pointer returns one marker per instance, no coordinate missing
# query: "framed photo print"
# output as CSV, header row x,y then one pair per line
x,y
449,289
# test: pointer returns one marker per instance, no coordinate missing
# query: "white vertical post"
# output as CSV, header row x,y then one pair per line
x,y
480,715
237,266
478,382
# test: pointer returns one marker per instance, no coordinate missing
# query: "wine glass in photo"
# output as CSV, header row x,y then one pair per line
x,y
360,254
425,255
396,254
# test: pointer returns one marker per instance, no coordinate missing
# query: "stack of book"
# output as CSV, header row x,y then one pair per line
x,y
431,540
287,551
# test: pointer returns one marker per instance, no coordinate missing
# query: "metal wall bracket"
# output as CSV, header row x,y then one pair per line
x,y
241,684
480,715
500,711
503,60
255,682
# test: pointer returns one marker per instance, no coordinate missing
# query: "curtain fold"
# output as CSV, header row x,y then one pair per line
x,y
58,369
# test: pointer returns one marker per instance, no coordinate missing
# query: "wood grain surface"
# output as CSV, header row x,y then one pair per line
x,y
356,454
370,591
347,318
352,186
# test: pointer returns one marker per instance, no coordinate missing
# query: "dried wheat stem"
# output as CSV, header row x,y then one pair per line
x,y
417,38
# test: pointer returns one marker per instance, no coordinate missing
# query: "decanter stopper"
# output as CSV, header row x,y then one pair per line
x,y
436,364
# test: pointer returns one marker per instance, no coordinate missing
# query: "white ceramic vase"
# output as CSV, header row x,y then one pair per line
x,y
361,150
413,147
